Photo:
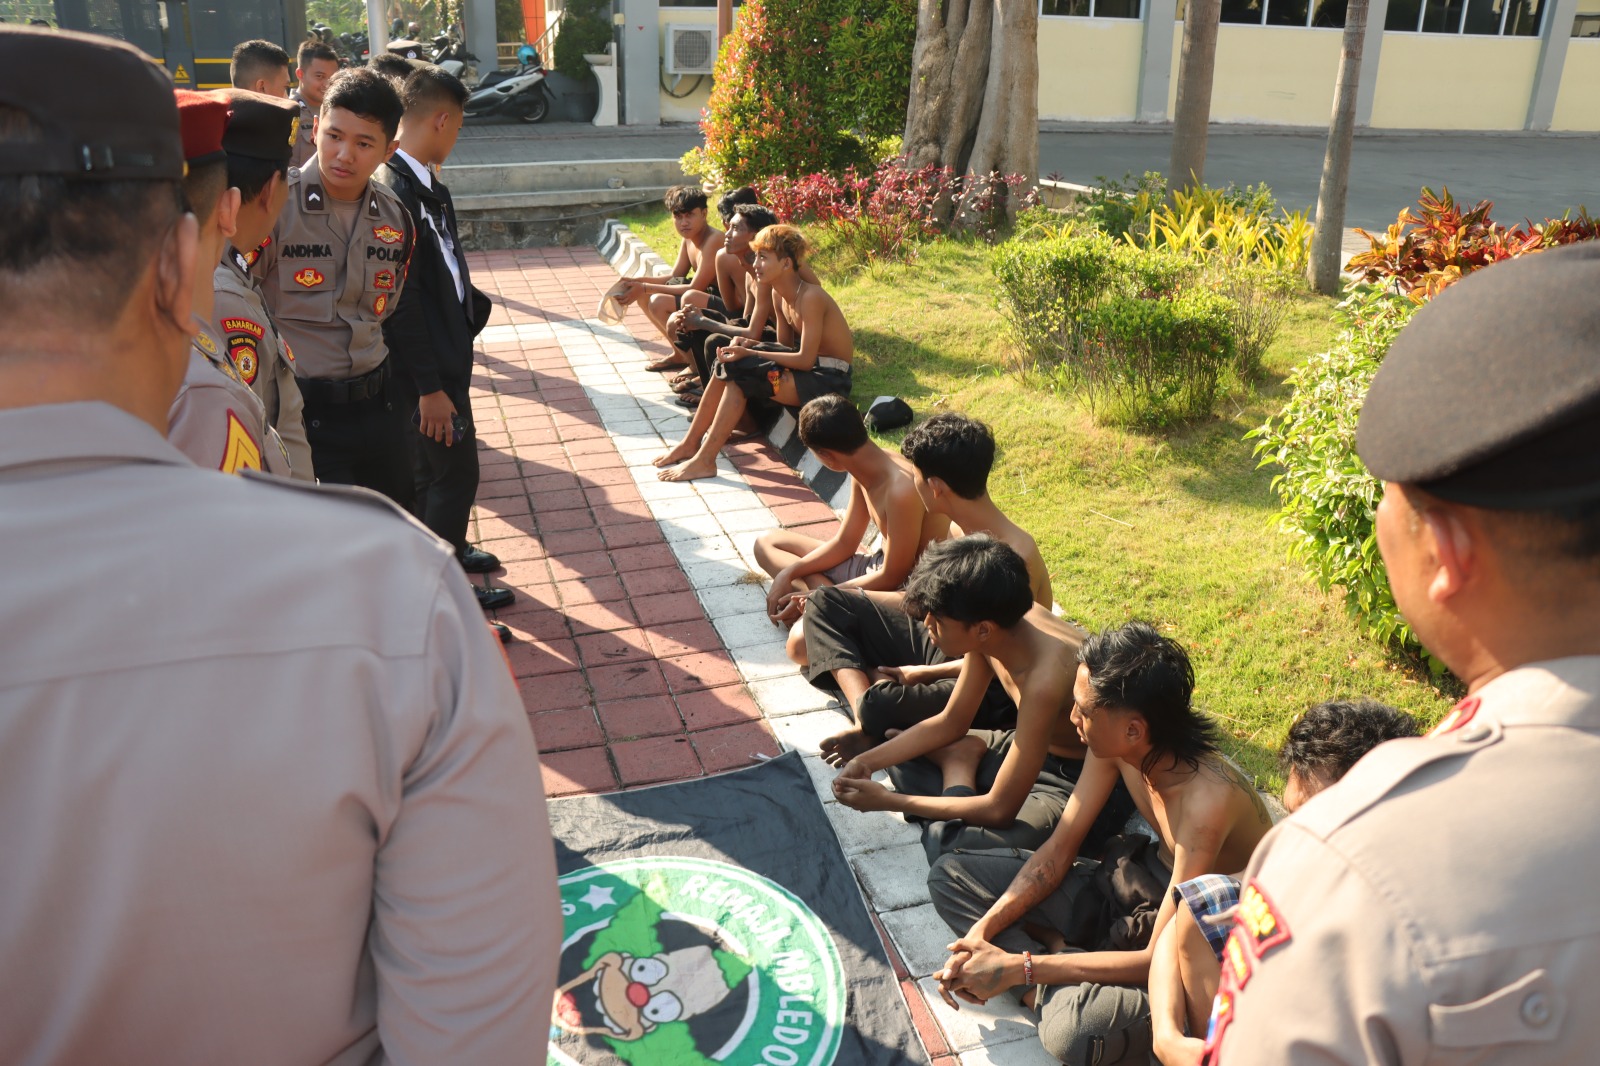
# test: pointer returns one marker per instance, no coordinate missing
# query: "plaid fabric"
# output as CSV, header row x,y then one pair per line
x,y
1211,899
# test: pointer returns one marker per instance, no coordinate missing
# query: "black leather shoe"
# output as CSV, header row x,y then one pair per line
x,y
477,561
493,598
501,631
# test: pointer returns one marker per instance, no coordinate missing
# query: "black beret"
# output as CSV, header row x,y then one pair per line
x,y
106,108
1490,396
261,127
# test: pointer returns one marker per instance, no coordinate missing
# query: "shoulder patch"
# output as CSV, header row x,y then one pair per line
x,y
372,204
246,358
313,198
1260,922
243,325
1459,716
240,452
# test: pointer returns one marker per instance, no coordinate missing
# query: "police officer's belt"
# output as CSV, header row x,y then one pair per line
x,y
355,390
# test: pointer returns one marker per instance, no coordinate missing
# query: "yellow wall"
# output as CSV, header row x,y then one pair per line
x,y
1578,103
1439,81
1277,75
687,109
1089,68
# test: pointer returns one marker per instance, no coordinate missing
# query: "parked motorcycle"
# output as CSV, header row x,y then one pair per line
x,y
450,55
520,93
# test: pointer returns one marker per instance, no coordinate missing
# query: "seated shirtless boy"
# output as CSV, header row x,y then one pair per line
x,y
1076,936
985,789
698,244
867,649
1186,968
881,491
811,358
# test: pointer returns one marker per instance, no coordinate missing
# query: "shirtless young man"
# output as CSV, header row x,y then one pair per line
x,y
999,789
881,491
869,650
811,357
698,244
1014,913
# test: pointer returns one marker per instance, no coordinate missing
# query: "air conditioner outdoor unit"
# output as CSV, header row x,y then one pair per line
x,y
691,49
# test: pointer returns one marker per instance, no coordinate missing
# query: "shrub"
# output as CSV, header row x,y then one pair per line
x,y
1155,360
1259,301
1046,286
1116,207
1328,497
1440,241
585,29
802,86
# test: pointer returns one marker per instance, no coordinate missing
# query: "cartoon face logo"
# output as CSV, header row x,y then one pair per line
x,y
387,234
671,959
380,303
309,277
383,280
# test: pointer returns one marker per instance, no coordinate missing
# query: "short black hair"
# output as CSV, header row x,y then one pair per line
x,y
203,186
313,50
1135,668
396,68
970,579
429,87
367,94
1332,737
252,60
744,194
757,216
89,235
682,198
250,176
832,423
955,449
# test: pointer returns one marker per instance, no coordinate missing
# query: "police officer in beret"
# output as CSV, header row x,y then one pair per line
x,y
215,419
331,273
1438,904
260,135
269,793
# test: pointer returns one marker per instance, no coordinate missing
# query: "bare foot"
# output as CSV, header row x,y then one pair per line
x,y
959,761
842,747
677,455
693,470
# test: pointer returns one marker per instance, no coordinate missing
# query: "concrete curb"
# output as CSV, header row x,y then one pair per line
x,y
628,254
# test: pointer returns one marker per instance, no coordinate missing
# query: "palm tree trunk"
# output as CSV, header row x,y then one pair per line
x,y
1327,242
1192,113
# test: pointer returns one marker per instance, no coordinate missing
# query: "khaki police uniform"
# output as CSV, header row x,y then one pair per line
x,y
305,144
260,357
217,421
264,805
1437,905
329,290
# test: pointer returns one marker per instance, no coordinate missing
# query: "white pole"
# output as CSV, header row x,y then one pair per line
x,y
377,27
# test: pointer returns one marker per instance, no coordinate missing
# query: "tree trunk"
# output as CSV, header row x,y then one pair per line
x,y
1192,113
1327,241
974,103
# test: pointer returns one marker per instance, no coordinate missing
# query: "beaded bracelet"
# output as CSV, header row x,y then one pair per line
x,y
1027,968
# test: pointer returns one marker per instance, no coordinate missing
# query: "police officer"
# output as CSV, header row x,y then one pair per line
x,y
215,419
272,797
257,140
331,274
1438,904
317,64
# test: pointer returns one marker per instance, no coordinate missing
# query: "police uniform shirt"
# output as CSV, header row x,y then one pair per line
x,y
330,283
260,357
1438,904
217,421
254,818
305,145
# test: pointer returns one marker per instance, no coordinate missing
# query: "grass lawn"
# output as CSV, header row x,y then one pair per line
x,y
1172,527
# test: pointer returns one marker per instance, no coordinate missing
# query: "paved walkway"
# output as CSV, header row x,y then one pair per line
x,y
643,650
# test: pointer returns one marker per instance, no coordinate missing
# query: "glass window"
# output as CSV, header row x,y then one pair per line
x,y
1116,9
1522,20
1442,16
1286,12
1329,14
1244,11
1104,9
1403,16
1064,8
1483,16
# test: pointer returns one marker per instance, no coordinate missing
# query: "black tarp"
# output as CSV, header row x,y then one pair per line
x,y
717,920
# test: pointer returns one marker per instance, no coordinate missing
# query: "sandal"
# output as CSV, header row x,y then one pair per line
x,y
671,362
691,399
681,385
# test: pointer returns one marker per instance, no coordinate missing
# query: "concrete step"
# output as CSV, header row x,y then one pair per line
x,y
626,176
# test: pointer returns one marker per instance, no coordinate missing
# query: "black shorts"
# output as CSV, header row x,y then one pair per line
x,y
759,378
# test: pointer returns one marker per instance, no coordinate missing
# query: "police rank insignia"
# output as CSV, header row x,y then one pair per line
x,y
380,303
205,342
241,451
1260,921
383,279
309,277
294,130
243,337
387,234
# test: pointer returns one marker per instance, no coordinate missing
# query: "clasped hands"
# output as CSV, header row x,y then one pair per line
x,y
855,788
977,971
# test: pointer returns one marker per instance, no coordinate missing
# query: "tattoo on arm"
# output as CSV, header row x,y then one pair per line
x,y
1225,769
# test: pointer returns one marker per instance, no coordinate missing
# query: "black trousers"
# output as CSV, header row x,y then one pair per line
x,y
445,478
363,443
